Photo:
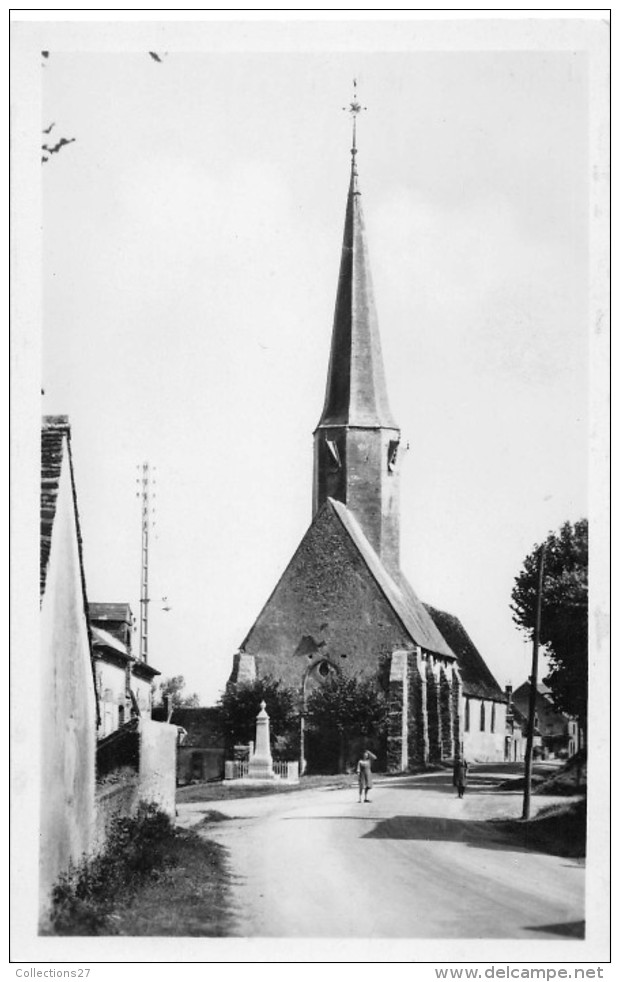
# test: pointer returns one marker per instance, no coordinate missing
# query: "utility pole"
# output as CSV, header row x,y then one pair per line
x,y
529,748
144,481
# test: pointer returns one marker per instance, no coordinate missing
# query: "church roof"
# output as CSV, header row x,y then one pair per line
x,y
401,596
356,392
478,680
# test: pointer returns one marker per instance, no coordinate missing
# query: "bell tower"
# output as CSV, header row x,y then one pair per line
x,y
356,442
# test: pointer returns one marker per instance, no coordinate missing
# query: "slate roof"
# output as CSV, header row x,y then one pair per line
x,y
202,725
110,612
478,680
402,598
541,688
356,393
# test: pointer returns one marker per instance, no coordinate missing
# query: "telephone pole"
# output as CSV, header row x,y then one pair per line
x,y
145,480
529,747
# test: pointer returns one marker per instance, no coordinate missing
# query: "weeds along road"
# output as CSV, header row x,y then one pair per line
x,y
416,862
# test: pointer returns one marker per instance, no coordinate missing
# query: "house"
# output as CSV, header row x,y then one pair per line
x,y
124,682
484,702
69,712
516,730
559,733
343,605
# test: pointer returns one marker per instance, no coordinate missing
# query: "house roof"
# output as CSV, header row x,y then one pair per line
x,y
356,393
203,725
402,598
143,669
55,435
478,680
110,612
103,639
522,691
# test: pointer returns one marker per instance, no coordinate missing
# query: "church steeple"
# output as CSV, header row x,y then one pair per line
x,y
356,392
356,439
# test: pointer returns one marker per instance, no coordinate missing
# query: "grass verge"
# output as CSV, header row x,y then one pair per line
x,y
227,790
151,879
557,829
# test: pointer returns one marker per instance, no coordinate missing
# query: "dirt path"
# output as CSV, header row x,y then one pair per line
x,y
414,863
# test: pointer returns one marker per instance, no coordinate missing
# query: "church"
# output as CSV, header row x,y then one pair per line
x,y
343,604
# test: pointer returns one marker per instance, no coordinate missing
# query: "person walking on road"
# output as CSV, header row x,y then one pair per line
x,y
459,778
364,773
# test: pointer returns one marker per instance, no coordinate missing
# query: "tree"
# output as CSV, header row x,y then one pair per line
x,y
172,689
564,614
347,708
240,704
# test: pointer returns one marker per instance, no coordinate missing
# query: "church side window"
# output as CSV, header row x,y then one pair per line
x,y
482,716
334,454
467,714
392,455
493,718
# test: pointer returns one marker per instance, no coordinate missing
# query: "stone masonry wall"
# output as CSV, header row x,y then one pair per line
x,y
446,709
398,713
435,748
327,606
457,702
418,715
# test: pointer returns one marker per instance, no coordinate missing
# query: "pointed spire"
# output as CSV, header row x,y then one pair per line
x,y
356,393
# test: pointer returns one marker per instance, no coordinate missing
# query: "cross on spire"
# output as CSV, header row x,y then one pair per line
x,y
354,109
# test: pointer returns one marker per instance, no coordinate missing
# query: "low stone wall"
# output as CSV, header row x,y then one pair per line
x,y
118,796
152,780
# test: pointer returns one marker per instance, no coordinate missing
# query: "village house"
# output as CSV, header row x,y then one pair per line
x,y
343,604
556,734
516,730
124,681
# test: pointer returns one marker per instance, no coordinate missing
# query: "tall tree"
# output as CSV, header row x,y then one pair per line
x,y
240,704
347,707
564,616
173,690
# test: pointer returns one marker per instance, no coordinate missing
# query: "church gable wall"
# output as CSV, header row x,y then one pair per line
x,y
327,606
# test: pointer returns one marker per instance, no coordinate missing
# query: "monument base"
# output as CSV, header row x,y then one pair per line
x,y
261,770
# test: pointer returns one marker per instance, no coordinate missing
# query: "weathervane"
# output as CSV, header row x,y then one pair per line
x,y
354,109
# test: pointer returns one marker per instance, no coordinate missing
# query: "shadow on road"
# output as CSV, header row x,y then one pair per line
x,y
574,929
478,835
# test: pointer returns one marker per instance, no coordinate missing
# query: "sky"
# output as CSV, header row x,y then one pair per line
x,y
190,252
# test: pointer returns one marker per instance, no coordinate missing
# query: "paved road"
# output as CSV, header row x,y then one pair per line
x,y
416,862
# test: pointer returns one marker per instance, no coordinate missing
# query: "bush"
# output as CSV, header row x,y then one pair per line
x,y
83,899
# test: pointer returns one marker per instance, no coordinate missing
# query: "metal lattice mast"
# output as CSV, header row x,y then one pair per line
x,y
144,481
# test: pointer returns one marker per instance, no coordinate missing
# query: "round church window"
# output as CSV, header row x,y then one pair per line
x,y
324,669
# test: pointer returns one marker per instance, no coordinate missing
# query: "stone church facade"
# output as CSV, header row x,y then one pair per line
x,y
343,604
